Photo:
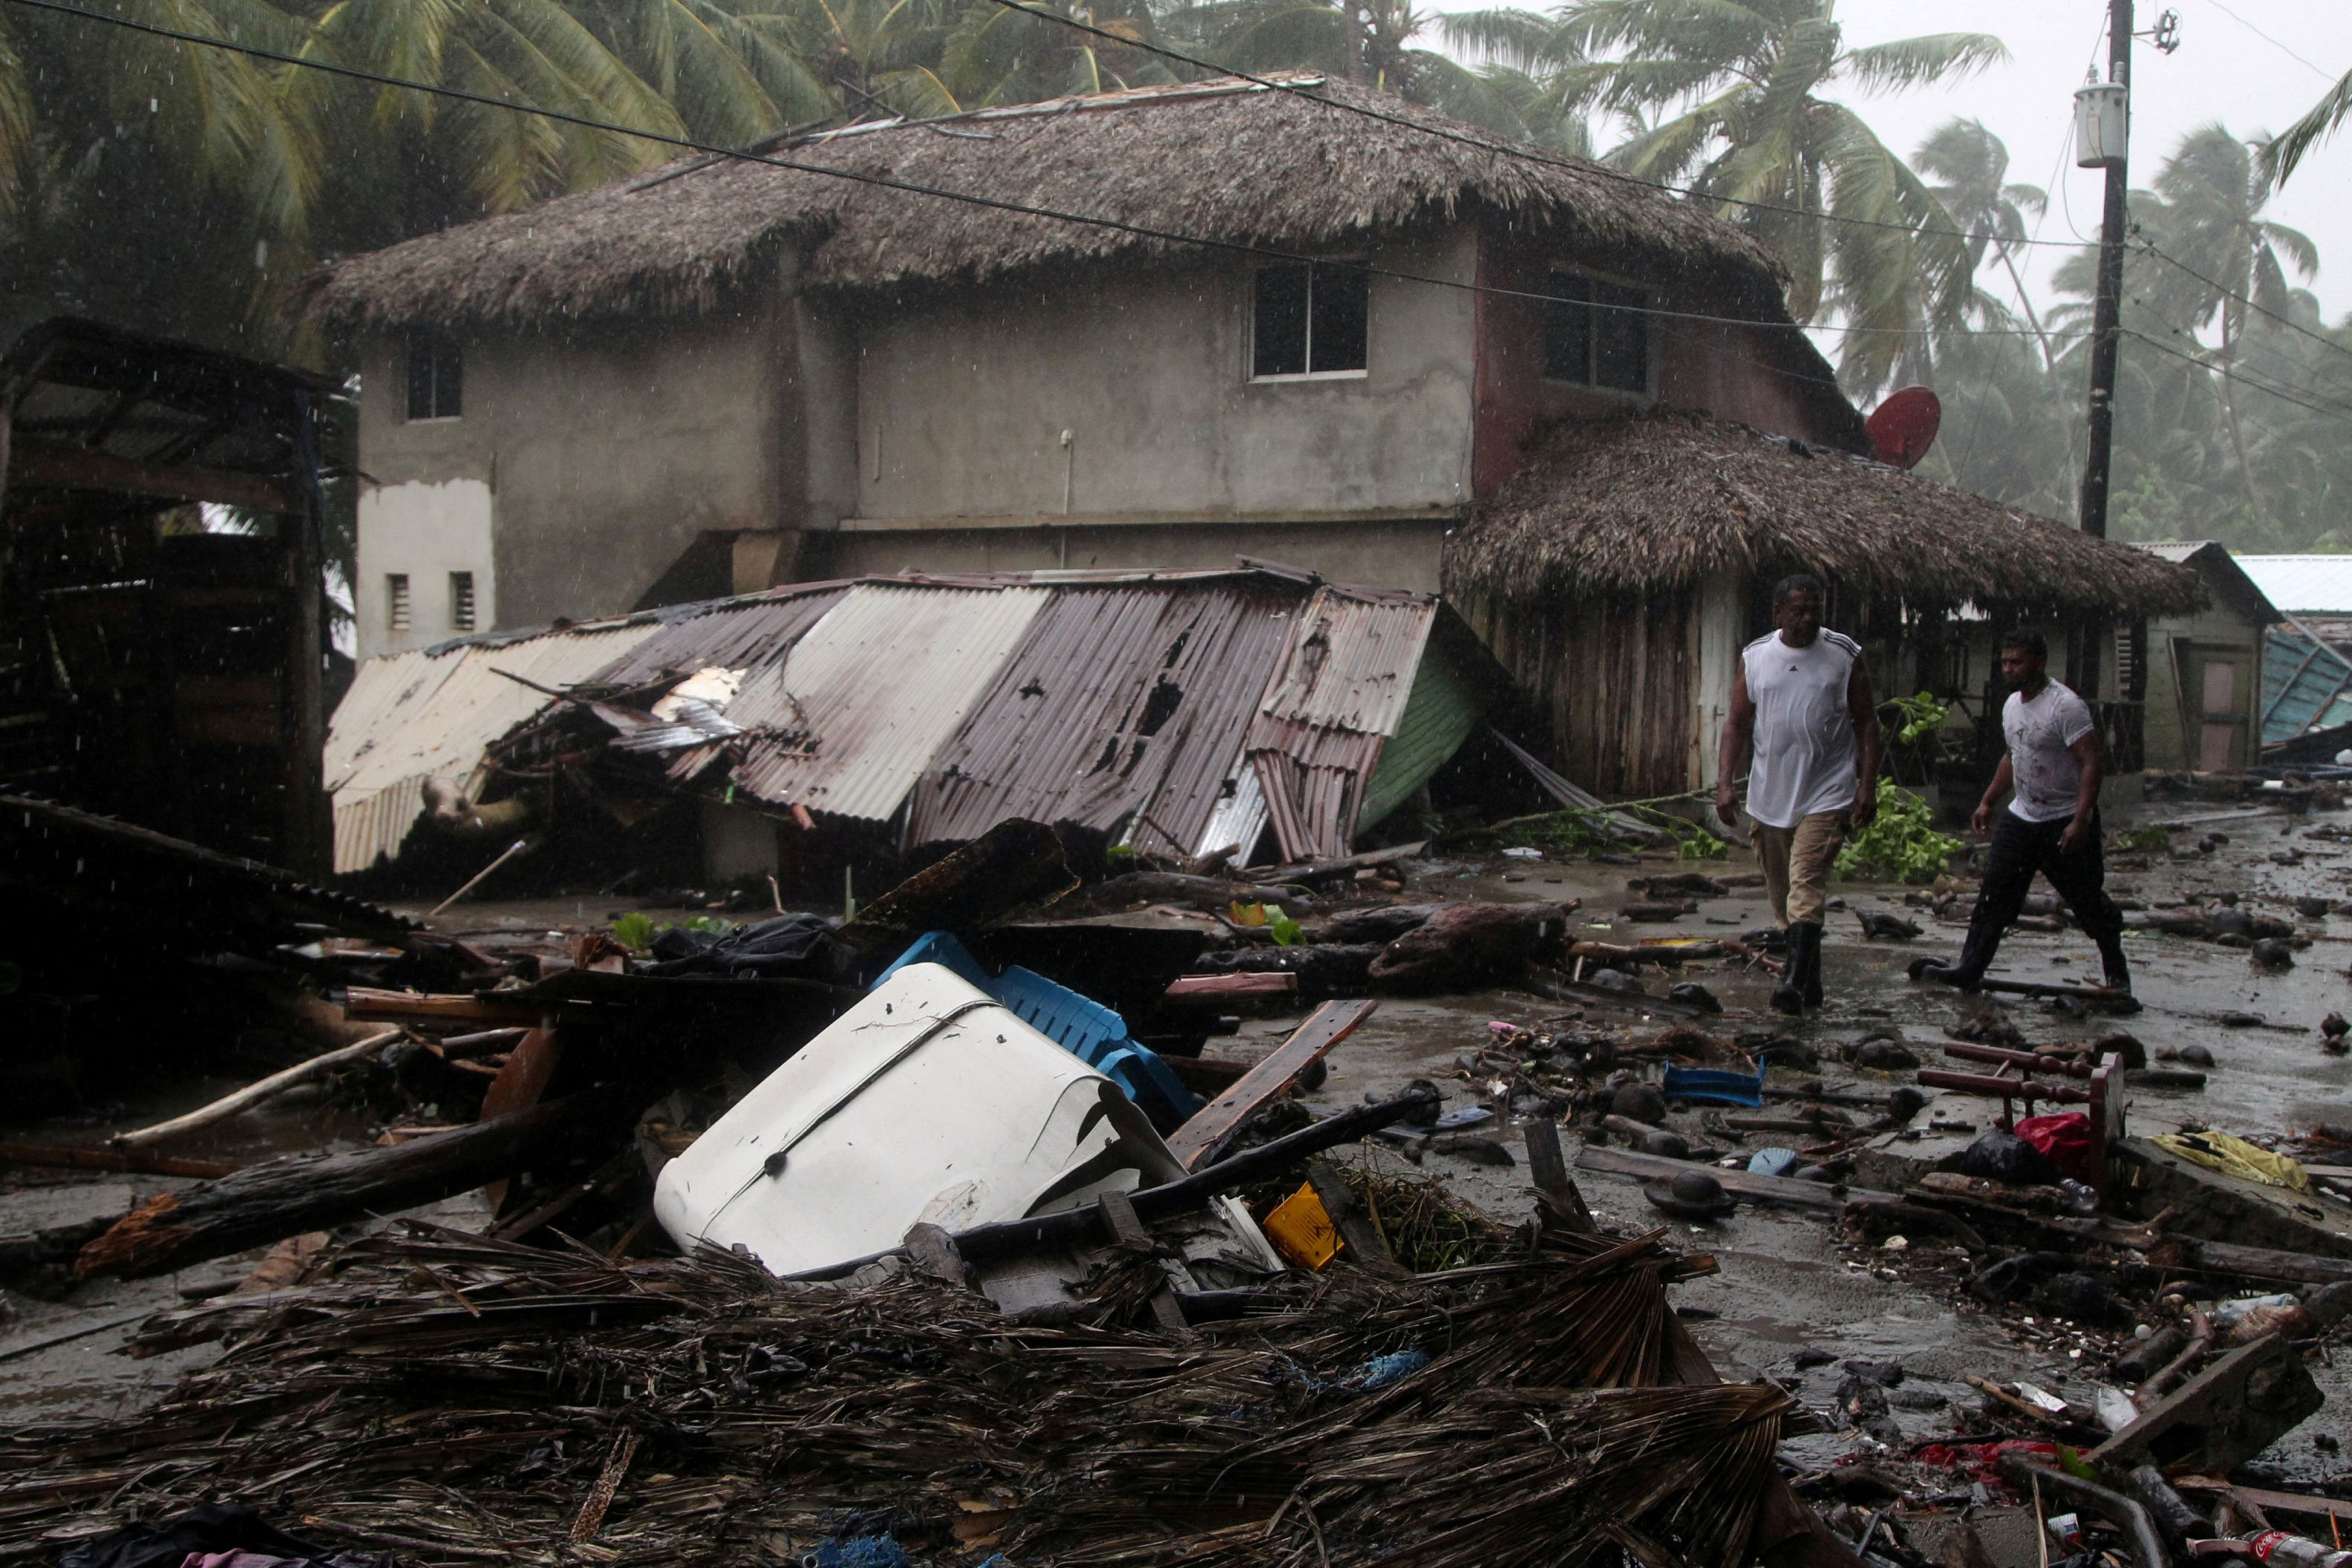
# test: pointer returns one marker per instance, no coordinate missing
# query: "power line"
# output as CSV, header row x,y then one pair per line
x,y
2337,411
2278,385
2227,293
1499,149
2321,71
1143,231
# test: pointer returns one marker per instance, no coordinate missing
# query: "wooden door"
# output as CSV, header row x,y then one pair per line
x,y
2221,715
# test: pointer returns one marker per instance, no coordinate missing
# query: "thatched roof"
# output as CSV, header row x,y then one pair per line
x,y
1655,502
1220,160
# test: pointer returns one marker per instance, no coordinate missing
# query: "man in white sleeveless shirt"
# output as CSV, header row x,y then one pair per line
x,y
1802,696
2055,763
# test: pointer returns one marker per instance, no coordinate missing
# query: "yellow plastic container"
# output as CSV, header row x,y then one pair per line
x,y
1301,1230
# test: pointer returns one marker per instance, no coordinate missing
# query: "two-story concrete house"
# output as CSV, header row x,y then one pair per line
x,y
727,374
1158,329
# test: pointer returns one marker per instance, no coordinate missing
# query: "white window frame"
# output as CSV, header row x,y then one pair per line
x,y
1249,337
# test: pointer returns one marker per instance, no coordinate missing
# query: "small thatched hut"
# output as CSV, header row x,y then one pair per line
x,y
1618,574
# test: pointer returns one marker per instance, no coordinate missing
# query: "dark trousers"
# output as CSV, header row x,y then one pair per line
x,y
2019,849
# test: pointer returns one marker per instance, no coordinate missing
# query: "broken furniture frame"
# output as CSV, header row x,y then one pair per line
x,y
2102,1096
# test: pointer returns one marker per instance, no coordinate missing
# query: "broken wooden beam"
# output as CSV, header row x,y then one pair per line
x,y
1740,1184
1198,1140
268,1202
2222,1416
368,1006
1208,990
36,464
254,1093
135,1163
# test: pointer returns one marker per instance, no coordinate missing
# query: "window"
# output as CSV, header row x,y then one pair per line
x,y
1596,334
395,600
437,376
461,601
1311,319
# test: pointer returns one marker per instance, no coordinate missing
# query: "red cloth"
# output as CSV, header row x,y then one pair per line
x,y
2064,1139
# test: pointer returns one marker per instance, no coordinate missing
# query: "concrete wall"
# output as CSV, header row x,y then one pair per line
x,y
1732,372
423,530
963,400
602,455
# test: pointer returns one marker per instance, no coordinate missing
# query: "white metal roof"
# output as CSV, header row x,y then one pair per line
x,y
429,713
2301,585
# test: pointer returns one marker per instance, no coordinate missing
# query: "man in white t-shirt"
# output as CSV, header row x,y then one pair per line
x,y
2055,764
1802,697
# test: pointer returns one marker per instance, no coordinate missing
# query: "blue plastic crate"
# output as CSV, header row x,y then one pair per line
x,y
1079,1024
1717,1084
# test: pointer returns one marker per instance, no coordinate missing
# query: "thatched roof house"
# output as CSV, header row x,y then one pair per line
x,y
1619,573
1224,161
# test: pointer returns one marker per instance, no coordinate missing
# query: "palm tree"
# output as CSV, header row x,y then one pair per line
x,y
1310,35
1741,89
2233,260
996,54
1972,165
2284,152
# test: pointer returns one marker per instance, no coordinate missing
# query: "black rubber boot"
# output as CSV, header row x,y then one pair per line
x,y
2117,976
1811,943
1789,995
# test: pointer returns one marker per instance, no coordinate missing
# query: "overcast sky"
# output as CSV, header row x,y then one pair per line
x,y
2224,70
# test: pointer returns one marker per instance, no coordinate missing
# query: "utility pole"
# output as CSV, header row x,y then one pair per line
x,y
2102,128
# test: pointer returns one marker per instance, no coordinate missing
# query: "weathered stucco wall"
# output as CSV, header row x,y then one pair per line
x,y
1386,553
963,404
425,530
605,453
1730,371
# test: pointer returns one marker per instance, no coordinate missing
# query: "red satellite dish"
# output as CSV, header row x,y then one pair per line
x,y
1902,428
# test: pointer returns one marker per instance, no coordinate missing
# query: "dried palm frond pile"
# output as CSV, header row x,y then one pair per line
x,y
461,1400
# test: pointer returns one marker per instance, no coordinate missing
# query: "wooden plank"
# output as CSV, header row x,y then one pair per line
x,y
53,464
518,1086
1197,1142
1216,987
2266,1500
68,1157
1118,1219
1563,1205
1740,1184
411,1006
1363,1237
1312,872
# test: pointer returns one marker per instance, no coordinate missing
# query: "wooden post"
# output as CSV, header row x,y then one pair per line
x,y
1118,1219
1556,1195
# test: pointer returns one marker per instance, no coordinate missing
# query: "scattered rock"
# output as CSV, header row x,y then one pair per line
x,y
1809,1358
2230,921
2270,953
1640,1103
2123,1043
2196,1055
1862,1402
1886,1373
1880,927
2235,1019
1879,1052
1667,1145
1612,980
1691,993
2312,908
1921,1399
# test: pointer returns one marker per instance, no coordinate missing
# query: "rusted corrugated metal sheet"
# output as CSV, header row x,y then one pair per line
x,y
733,635
1350,661
431,714
1120,704
1340,691
855,711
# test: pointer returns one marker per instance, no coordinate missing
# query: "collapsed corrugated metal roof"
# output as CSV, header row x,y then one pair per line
x,y
431,713
1152,704
1121,703
1341,690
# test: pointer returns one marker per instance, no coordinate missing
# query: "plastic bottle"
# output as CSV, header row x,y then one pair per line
x,y
2276,1549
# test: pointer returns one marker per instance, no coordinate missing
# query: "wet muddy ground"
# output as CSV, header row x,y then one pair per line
x,y
1789,1282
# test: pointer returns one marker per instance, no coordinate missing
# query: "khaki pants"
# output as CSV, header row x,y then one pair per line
x,y
1796,862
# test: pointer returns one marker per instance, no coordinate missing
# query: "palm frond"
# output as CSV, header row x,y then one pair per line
x,y
1909,62
2281,154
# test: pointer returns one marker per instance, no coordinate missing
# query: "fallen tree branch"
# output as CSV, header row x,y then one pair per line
x,y
269,1202
254,1093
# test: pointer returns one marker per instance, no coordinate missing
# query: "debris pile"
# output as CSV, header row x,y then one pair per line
x,y
457,1398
